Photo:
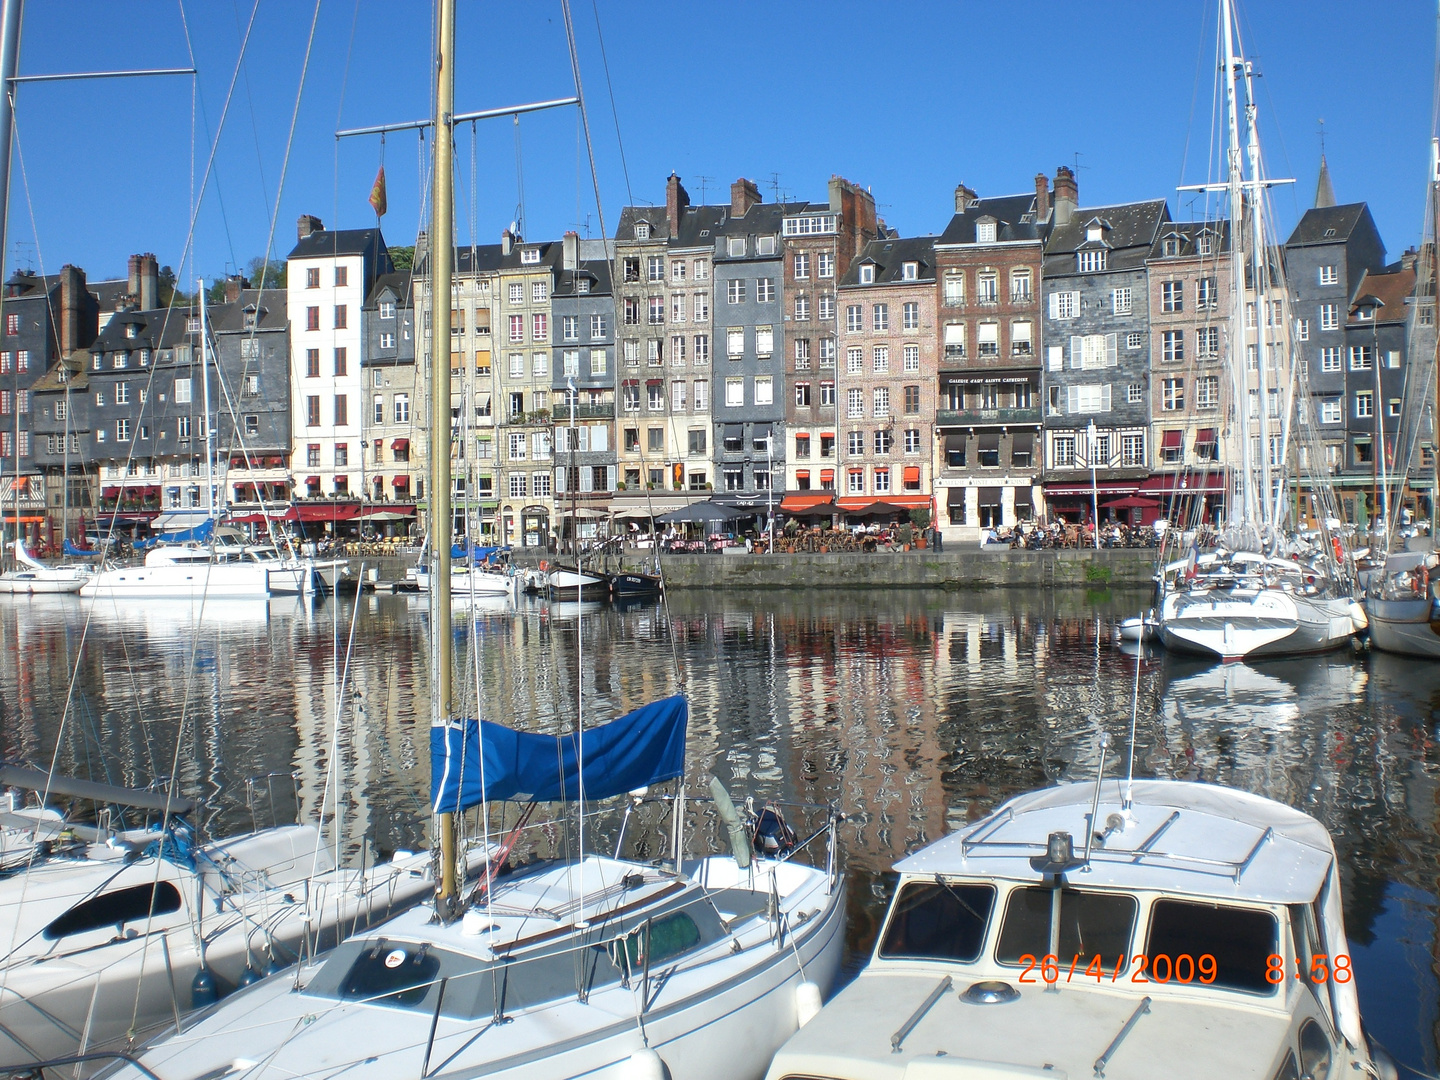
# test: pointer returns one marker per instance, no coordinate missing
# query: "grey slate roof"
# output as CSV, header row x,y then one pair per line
x,y
699,225
1132,229
328,242
270,304
1316,225
1014,216
399,284
156,329
596,270
1188,232
889,257
550,254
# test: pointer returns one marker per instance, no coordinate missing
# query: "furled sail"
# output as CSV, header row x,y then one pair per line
x,y
640,748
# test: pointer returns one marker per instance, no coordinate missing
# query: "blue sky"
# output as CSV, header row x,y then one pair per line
x,y
907,99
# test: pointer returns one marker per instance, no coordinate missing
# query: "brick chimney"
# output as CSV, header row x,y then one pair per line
x,y
1408,258
235,284
570,251
676,200
1067,195
507,241
743,195
856,208
74,303
144,281
963,195
1042,197
307,224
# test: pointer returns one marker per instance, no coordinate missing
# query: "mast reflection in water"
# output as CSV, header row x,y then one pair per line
x,y
914,713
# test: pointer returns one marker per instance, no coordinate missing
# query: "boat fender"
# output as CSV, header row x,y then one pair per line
x,y
274,967
807,1002
203,990
645,1064
249,977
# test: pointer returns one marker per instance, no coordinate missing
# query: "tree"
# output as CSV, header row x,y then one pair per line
x,y
167,291
266,276
403,257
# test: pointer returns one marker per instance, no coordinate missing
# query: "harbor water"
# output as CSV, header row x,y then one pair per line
x,y
913,712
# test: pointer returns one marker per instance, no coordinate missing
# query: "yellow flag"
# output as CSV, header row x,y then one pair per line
x,y
377,193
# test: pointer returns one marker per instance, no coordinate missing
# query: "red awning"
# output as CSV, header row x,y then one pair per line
x,y
1205,437
400,444
274,462
791,503
827,434
1172,440
328,512
400,481
905,502
109,492
1122,488
312,481
1183,483
912,474
802,474
827,476
802,434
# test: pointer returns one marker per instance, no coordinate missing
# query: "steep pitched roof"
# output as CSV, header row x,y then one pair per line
x,y
889,257
269,305
1189,233
1391,292
1130,230
1014,219
1327,224
596,271
1324,190
330,242
400,284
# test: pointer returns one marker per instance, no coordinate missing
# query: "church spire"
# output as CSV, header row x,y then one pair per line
x,y
1324,190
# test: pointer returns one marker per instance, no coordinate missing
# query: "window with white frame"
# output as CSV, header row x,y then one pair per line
x,y
702,395
677,351
1207,343
655,268
678,389
652,352
700,308
1135,339
867,274
735,342
854,360
855,443
912,440
855,403
881,359
570,361
910,316
1089,398
1172,395
880,316
954,287
802,308
1091,261
1172,296
539,364
1330,411
828,351
517,292
1064,305
764,341
764,390
1206,294
734,391
911,358
854,318
677,269
764,290
1134,394
655,395
519,446
825,264
1330,358
1121,301
1329,317
1364,404
801,265
1062,450
881,402
702,349
1132,449
1207,392
735,247
677,308
538,291
735,291
1172,345
1329,275
1362,358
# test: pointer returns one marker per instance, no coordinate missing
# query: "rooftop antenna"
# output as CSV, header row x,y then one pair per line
x,y
775,187
704,180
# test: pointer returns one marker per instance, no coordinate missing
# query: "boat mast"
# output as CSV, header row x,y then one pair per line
x,y
1239,383
441,253
210,508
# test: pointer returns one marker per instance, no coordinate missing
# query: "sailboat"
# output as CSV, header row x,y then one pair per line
x,y
1261,592
587,965
31,576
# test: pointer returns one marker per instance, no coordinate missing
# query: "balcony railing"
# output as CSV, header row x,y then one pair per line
x,y
964,417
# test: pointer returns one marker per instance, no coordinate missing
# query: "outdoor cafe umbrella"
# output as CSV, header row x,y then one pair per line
x,y
819,510
878,509
702,511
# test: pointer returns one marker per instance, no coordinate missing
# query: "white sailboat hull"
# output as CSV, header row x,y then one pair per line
x,y
295,577
29,581
720,1016
468,582
1404,626
92,989
1235,624
181,581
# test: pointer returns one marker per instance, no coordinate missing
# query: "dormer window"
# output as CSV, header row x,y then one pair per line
x,y
122,359
642,230
867,274
1205,244
735,247
1089,262
530,256
1170,246
582,285
765,245
985,232
1366,312
910,271
1094,231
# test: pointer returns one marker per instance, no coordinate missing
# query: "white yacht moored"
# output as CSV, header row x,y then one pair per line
x,y
32,577
1115,930
1403,613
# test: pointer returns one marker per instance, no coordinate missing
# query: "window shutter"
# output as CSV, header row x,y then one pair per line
x,y
1077,352
1054,305
1072,403
1056,354
1105,398
1112,349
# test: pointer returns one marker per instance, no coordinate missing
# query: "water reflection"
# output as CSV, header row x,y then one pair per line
x,y
912,712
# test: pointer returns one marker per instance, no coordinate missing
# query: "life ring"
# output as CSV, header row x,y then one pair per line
x,y
544,565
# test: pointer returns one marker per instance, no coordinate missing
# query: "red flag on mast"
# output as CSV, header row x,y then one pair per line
x,y
377,193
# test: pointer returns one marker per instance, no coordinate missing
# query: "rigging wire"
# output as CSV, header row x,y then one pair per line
x,y
614,112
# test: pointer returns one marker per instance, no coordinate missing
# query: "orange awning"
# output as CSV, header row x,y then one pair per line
x,y
912,474
827,476
791,503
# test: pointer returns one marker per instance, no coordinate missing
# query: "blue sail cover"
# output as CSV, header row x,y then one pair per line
x,y
200,533
640,748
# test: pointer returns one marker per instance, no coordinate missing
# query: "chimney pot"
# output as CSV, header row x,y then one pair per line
x,y
571,251
1067,195
507,241
743,195
963,195
676,200
1042,197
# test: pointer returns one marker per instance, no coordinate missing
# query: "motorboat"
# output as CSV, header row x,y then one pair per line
x,y
1138,628
569,582
182,571
111,934
1400,602
30,576
1113,929
697,969
635,583
1243,605
467,580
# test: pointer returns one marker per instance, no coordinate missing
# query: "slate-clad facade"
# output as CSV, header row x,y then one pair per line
x,y
1096,330
250,339
392,464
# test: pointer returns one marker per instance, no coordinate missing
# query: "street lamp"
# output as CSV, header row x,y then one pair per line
x,y
1094,486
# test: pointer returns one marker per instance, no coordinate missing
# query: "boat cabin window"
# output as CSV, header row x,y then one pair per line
x,y
938,921
1240,939
1092,924
668,936
115,909
1288,1069
400,973
1315,1053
